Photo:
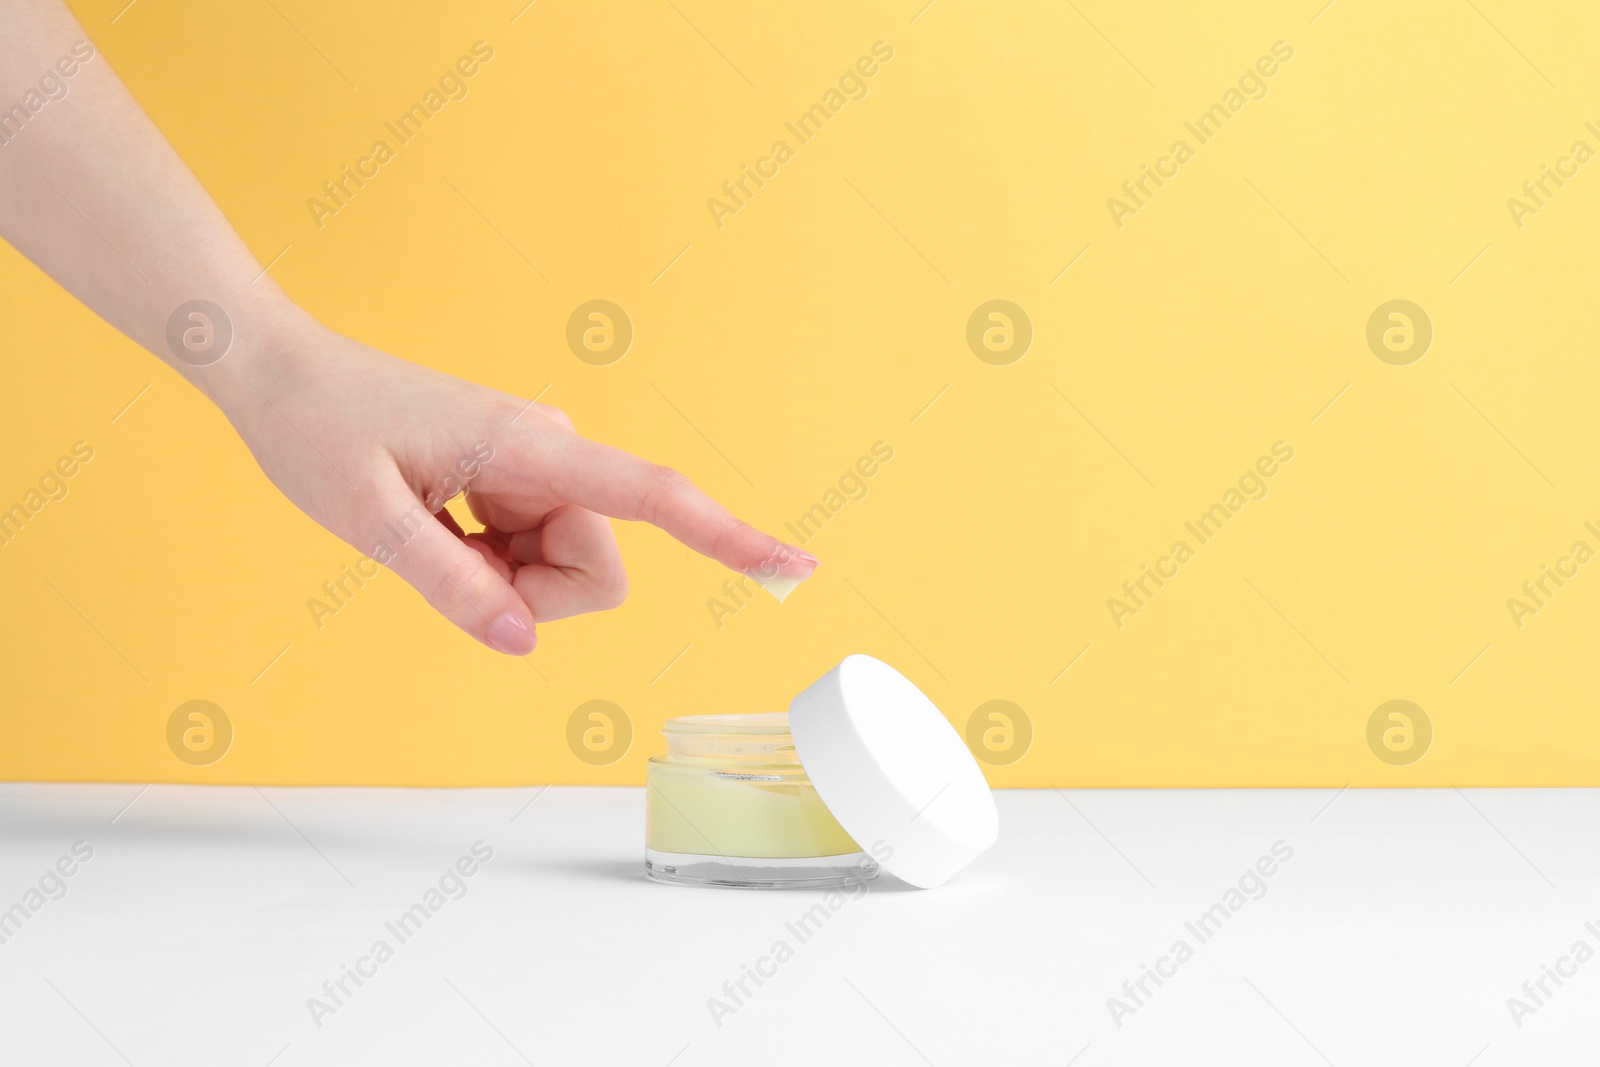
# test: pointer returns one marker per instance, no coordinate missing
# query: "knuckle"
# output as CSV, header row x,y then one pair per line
x,y
557,416
455,589
730,533
662,486
614,589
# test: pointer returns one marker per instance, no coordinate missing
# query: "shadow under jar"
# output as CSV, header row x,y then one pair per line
x,y
730,805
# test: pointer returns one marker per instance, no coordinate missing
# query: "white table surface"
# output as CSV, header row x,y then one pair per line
x,y
208,916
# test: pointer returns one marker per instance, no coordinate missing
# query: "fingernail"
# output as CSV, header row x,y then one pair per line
x,y
509,634
803,557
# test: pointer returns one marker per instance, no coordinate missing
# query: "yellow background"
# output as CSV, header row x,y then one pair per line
x,y
824,317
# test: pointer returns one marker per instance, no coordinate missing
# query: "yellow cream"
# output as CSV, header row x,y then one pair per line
x,y
780,585
730,793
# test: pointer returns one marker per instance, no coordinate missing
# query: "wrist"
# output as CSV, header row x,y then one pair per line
x,y
238,352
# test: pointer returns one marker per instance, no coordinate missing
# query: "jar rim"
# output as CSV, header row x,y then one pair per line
x,y
767,723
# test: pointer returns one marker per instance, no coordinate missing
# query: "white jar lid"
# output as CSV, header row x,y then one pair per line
x,y
893,771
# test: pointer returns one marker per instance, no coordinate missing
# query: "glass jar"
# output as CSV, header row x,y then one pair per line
x,y
730,805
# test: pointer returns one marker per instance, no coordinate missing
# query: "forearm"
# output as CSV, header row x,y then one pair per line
x,y
92,193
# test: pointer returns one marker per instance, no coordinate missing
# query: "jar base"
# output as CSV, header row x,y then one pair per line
x,y
737,872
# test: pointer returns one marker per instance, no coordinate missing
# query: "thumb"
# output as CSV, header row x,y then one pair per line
x,y
451,575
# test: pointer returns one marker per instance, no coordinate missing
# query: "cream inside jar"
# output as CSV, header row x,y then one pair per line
x,y
729,804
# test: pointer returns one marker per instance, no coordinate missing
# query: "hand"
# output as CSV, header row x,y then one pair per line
x,y
372,447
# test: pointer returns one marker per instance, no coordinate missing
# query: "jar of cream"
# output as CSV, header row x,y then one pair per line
x,y
730,804
862,772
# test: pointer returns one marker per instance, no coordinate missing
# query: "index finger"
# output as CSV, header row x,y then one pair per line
x,y
616,483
